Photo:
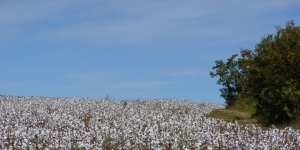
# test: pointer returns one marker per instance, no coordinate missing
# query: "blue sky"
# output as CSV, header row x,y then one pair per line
x,y
128,49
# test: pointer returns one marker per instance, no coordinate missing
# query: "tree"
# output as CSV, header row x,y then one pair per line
x,y
229,76
272,71
269,76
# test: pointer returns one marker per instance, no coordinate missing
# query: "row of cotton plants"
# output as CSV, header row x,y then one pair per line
x,y
75,123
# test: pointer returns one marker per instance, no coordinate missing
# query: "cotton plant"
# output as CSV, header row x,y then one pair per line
x,y
77,123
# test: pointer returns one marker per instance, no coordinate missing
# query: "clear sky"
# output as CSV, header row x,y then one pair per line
x,y
128,49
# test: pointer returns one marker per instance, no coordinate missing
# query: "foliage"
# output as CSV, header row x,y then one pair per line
x,y
273,75
230,76
125,103
49,109
79,148
107,143
270,76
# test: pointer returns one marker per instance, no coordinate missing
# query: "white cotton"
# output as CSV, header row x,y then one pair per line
x,y
151,124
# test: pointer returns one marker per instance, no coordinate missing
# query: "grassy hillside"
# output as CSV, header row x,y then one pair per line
x,y
244,117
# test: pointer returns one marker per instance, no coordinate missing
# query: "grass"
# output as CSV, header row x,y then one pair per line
x,y
244,117
295,124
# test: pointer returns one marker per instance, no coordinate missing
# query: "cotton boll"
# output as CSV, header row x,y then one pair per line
x,y
64,124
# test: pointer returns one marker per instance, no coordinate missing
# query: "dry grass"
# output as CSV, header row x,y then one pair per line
x,y
243,117
295,124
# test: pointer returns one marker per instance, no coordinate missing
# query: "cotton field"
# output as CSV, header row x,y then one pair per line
x,y
76,123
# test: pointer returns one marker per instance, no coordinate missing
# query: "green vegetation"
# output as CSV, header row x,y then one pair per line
x,y
125,103
230,75
231,115
245,117
265,81
107,143
79,148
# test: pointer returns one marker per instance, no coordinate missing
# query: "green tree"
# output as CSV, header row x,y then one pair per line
x,y
268,76
230,76
272,71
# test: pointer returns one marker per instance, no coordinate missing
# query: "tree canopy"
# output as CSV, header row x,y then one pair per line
x,y
229,74
269,76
